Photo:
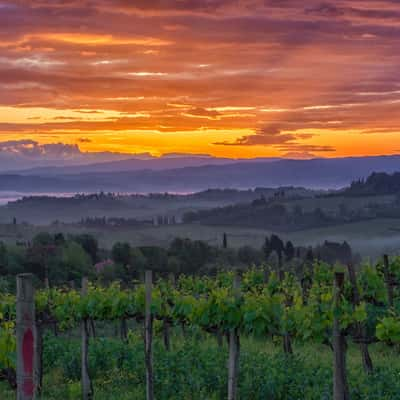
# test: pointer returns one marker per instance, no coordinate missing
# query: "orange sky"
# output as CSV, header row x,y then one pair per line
x,y
228,78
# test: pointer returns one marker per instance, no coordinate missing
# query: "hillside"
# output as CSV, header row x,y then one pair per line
x,y
46,209
376,184
315,173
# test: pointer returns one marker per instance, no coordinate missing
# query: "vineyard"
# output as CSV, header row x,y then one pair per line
x,y
332,306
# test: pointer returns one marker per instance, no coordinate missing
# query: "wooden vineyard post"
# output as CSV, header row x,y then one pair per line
x,y
39,358
360,328
149,336
220,339
287,341
340,387
166,338
387,276
124,329
87,388
234,350
166,324
26,338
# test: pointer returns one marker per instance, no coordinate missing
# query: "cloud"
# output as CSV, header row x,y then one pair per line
x,y
271,135
325,9
15,144
267,136
300,147
299,155
284,141
287,66
25,153
32,149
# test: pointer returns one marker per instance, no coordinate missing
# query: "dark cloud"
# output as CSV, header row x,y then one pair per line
x,y
313,148
325,9
32,149
299,155
268,136
284,141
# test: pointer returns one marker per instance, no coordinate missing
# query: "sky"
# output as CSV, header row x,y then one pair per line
x,y
244,78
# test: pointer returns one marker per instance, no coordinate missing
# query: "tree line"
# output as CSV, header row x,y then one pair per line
x,y
58,259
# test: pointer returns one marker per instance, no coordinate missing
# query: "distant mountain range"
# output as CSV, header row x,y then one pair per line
x,y
168,161
189,174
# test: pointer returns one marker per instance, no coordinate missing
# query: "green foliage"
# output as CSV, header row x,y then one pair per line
x,y
118,371
74,262
258,309
388,330
371,284
89,244
121,253
7,328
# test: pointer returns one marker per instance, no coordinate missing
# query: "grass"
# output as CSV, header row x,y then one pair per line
x,y
196,369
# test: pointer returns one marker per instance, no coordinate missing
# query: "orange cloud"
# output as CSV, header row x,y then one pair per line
x,y
227,77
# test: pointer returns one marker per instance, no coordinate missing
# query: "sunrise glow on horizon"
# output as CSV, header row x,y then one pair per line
x,y
257,78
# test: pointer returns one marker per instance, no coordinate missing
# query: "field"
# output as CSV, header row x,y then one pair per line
x,y
46,211
334,202
369,238
195,369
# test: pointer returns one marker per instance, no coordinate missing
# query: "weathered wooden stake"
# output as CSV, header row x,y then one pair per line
x,y
149,336
360,328
340,387
26,338
220,339
124,329
166,336
287,344
39,359
92,328
87,388
287,340
387,277
234,351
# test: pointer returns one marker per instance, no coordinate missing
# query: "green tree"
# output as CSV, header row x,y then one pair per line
x,y
267,248
121,253
289,251
73,265
89,244
137,263
276,244
225,241
156,258
3,258
43,239
249,255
